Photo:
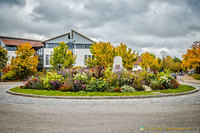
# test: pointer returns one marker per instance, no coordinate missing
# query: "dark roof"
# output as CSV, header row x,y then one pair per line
x,y
72,31
57,37
16,38
15,42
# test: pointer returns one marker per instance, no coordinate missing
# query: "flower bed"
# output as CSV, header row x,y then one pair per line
x,y
100,79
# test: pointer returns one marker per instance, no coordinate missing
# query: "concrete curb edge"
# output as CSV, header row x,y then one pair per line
x,y
102,97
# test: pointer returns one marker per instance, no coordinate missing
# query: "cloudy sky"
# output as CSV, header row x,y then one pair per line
x,y
144,25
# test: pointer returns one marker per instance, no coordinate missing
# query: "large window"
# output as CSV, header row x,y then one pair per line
x,y
47,59
11,48
86,57
51,45
83,46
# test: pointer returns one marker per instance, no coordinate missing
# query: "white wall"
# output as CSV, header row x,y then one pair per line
x,y
11,54
80,56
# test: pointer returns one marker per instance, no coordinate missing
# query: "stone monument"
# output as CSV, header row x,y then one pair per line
x,y
117,63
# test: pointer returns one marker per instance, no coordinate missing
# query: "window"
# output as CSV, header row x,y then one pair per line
x,y
83,46
87,46
47,59
86,57
11,48
80,46
51,45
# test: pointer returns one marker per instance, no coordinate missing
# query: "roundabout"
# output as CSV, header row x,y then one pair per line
x,y
29,114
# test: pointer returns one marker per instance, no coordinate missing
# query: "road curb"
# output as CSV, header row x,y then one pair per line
x,y
102,97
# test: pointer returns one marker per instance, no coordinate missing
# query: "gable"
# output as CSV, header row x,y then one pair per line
x,y
80,39
63,38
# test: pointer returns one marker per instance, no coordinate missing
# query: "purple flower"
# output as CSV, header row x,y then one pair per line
x,y
75,82
52,82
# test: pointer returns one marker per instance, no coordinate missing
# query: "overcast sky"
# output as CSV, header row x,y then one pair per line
x,y
144,25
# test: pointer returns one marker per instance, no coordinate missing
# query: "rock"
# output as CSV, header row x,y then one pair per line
x,y
146,88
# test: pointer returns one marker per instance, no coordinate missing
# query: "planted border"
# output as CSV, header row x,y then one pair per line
x,y
95,95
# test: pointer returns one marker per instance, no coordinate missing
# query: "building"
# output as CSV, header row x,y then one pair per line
x,y
11,43
77,43
137,66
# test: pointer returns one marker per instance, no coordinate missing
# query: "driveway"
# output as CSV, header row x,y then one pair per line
x,y
168,114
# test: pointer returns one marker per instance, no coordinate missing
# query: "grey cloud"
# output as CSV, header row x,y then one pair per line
x,y
138,23
12,2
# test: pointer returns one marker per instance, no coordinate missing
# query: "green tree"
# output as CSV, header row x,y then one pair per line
x,y
25,62
3,58
173,64
62,57
128,56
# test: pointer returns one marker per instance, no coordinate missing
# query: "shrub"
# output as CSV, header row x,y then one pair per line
x,y
10,75
166,81
174,84
118,89
54,85
51,80
34,83
78,86
81,77
97,85
137,83
155,85
127,88
66,87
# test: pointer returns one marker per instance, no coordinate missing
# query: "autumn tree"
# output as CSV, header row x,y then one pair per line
x,y
3,58
173,64
149,60
25,62
128,56
103,53
62,57
192,58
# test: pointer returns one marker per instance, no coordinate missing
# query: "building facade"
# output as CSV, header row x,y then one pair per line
x,y
77,43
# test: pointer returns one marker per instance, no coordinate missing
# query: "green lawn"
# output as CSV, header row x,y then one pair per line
x,y
182,88
196,76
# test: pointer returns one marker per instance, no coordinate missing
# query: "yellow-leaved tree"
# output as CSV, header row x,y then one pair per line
x,y
128,56
25,62
149,60
192,58
102,54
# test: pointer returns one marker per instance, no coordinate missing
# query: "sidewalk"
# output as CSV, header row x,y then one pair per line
x,y
189,79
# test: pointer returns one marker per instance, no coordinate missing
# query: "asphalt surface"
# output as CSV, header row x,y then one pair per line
x,y
156,115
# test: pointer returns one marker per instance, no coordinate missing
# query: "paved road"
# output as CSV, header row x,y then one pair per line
x,y
25,114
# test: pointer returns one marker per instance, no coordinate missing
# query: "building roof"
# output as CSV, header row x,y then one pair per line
x,y
72,31
138,61
57,37
19,42
16,38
